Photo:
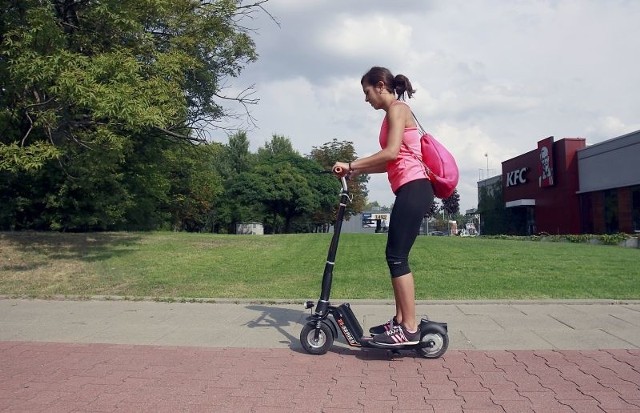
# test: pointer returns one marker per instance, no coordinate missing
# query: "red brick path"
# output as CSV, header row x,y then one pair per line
x,y
50,377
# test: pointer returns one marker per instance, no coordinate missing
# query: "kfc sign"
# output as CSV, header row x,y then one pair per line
x,y
545,167
517,177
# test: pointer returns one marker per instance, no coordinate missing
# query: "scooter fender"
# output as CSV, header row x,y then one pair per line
x,y
312,319
428,325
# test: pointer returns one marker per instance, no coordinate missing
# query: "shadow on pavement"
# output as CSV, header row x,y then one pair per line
x,y
279,319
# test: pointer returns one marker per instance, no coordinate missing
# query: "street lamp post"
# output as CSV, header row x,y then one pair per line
x,y
486,155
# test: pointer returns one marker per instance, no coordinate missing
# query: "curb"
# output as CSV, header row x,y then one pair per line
x,y
300,301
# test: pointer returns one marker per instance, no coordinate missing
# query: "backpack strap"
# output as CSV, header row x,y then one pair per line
x,y
427,170
422,131
420,128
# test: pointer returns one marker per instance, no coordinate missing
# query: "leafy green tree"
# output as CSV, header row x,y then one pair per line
x,y
82,195
279,147
23,198
231,163
372,205
233,160
496,218
433,210
325,188
195,185
90,74
327,155
238,155
282,186
451,205
281,190
96,99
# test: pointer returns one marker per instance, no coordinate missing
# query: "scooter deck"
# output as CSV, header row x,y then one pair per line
x,y
368,342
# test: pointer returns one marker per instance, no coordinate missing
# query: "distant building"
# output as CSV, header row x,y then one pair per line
x,y
367,222
609,174
565,187
250,228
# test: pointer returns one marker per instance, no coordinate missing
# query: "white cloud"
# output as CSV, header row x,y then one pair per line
x,y
492,76
366,37
609,126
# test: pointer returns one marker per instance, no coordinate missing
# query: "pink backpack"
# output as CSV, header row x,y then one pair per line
x,y
440,164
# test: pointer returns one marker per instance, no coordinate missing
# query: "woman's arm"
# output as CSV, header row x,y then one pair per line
x,y
371,170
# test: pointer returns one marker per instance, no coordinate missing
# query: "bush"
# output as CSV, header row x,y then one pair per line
x,y
605,239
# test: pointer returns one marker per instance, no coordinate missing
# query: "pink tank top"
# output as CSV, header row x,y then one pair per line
x,y
407,166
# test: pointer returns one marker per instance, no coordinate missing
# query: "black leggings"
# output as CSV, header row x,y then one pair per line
x,y
413,200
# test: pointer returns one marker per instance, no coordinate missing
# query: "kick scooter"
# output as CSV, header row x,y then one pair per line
x,y
321,328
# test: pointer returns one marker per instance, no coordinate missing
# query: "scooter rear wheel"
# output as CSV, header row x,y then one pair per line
x,y
319,344
437,341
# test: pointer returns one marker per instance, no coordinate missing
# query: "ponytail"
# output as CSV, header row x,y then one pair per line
x,y
402,86
398,85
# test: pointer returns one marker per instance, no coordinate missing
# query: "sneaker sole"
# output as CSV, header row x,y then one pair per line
x,y
406,343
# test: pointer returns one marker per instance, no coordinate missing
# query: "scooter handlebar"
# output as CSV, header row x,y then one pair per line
x,y
343,178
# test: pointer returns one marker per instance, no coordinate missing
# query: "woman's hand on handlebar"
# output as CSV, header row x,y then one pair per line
x,y
341,169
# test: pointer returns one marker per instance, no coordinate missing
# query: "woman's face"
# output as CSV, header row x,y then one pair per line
x,y
373,95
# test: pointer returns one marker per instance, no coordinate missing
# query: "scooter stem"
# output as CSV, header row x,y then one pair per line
x,y
327,277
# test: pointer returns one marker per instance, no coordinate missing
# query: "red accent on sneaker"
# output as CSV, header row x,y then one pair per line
x,y
383,327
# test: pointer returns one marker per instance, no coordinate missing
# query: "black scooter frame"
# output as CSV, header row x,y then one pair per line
x,y
342,317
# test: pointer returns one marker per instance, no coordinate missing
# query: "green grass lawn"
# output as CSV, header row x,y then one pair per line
x,y
181,265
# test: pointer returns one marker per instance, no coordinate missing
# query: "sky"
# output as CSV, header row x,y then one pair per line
x,y
492,77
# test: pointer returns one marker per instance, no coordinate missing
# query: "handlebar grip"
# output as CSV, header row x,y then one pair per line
x,y
337,170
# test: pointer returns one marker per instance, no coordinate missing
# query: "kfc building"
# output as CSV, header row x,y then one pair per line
x,y
543,185
565,187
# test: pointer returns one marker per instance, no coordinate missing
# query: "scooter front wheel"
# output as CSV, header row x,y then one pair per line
x,y
316,340
434,343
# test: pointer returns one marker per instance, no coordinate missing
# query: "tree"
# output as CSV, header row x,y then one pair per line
x,y
279,147
433,210
98,99
195,185
281,190
325,190
91,74
375,206
496,218
276,186
234,160
238,158
326,156
451,205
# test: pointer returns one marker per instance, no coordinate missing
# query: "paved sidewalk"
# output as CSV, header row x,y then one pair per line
x,y
123,356
516,325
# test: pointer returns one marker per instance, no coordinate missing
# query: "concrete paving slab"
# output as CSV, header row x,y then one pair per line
x,y
472,325
500,339
585,340
629,335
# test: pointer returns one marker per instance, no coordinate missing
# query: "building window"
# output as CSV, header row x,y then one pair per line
x,y
611,211
586,216
635,209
